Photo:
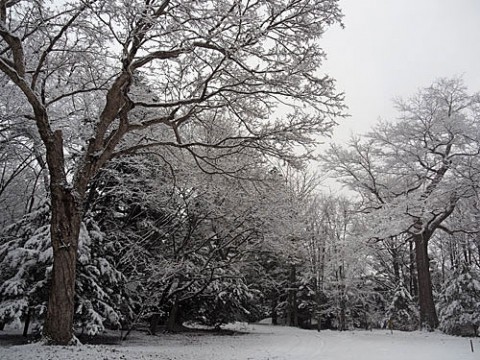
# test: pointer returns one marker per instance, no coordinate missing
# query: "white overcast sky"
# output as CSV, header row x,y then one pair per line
x,y
391,48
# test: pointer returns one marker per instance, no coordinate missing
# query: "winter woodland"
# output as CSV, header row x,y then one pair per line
x,y
159,167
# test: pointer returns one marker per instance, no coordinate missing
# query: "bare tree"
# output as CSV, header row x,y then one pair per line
x,y
412,173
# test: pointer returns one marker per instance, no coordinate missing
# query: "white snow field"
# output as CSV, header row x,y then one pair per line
x,y
263,342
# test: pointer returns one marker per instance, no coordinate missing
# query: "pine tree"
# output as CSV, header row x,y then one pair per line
x,y
101,295
460,303
402,314
25,266
25,272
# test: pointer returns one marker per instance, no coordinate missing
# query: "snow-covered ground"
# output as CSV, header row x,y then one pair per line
x,y
263,342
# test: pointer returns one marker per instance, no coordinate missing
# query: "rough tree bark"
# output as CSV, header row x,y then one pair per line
x,y
422,234
428,313
66,208
65,227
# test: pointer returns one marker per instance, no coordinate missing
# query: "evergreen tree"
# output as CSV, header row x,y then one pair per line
x,y
460,303
25,269
25,266
101,294
402,313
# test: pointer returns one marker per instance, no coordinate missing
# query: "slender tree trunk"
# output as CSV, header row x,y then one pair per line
x,y
396,266
316,311
274,304
452,255
292,316
343,318
413,275
27,322
428,314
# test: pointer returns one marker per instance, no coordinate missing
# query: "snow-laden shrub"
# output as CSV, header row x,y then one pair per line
x,y
402,313
460,303
224,301
25,265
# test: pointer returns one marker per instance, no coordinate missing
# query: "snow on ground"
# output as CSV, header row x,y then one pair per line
x,y
262,342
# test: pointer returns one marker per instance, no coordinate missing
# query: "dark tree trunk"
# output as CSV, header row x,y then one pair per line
x,y
343,319
65,228
154,320
27,322
292,317
428,314
396,266
316,309
413,275
172,324
2,326
274,304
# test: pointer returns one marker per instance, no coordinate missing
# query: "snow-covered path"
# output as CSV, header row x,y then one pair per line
x,y
265,342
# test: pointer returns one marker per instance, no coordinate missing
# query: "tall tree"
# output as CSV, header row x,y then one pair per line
x,y
412,173
93,72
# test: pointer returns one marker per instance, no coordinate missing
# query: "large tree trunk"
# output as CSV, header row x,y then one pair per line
x,y
65,228
428,314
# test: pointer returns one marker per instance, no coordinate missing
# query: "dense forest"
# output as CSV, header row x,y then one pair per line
x,y
160,165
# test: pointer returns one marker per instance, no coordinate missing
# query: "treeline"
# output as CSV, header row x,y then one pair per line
x,y
163,243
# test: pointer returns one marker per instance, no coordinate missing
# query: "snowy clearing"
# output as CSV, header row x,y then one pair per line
x,y
263,342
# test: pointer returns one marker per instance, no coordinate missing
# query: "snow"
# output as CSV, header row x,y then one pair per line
x,y
263,342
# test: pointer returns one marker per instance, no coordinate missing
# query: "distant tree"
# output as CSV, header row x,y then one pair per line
x,y
459,245
93,73
342,294
22,168
411,174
